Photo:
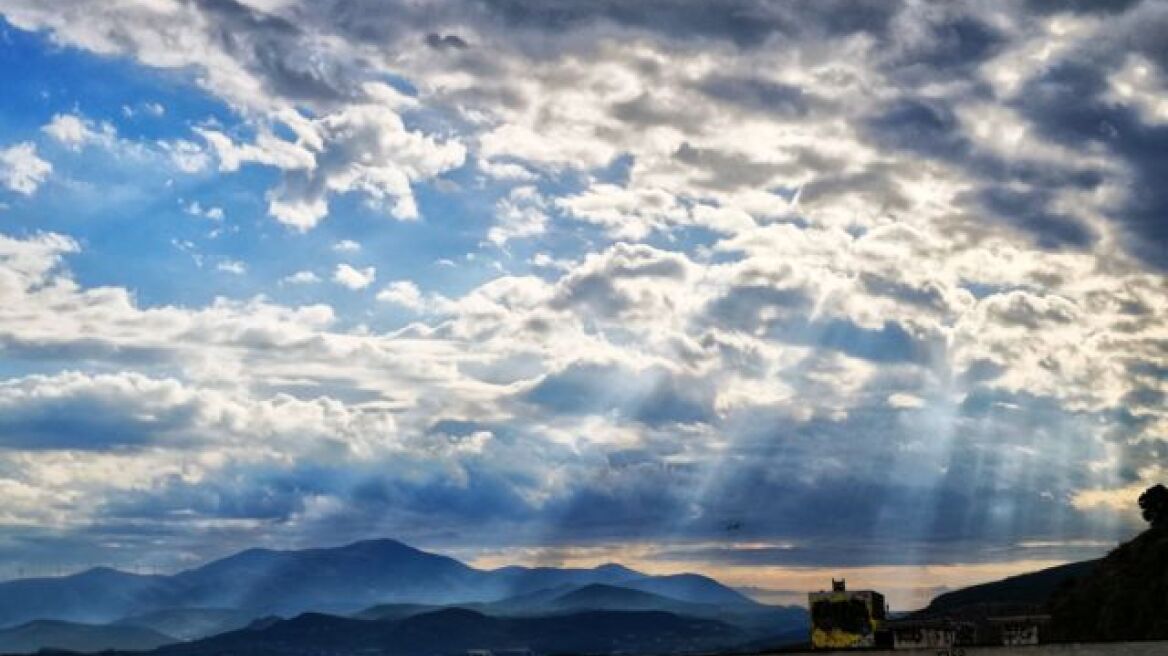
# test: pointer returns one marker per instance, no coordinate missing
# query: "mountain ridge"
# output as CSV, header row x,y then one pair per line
x,y
229,592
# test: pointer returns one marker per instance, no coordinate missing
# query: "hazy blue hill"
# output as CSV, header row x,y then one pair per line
x,y
71,636
598,596
1032,588
190,623
756,620
97,595
453,631
343,579
514,580
693,588
394,611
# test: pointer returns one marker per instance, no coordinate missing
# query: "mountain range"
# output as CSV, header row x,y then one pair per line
x,y
456,630
385,586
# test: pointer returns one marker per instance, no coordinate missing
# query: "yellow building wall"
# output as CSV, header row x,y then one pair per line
x,y
839,639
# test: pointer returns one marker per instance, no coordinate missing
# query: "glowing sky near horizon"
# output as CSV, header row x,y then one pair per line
x,y
768,290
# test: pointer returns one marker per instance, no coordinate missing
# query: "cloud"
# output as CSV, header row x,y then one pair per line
x,y
652,396
73,131
353,278
523,213
73,411
234,267
214,213
301,278
889,264
21,170
364,147
403,293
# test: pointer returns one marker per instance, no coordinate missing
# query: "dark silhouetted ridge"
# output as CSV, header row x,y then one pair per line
x,y
1124,597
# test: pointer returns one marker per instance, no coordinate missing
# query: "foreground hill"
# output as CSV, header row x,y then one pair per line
x,y
1030,589
454,631
53,634
1125,597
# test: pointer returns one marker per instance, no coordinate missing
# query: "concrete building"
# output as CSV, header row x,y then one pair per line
x,y
1019,630
929,634
847,619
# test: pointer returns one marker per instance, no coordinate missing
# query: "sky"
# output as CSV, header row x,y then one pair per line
x,y
772,291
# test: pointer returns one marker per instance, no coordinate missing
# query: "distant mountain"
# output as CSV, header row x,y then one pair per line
x,y
514,580
95,596
756,620
454,631
396,579
1123,597
342,579
1031,589
598,596
54,634
189,623
394,611
693,588
258,581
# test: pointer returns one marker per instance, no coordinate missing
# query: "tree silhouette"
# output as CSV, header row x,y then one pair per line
x,y
1154,504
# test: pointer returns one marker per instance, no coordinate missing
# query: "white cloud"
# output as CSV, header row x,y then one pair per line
x,y
301,278
346,246
74,131
404,293
234,267
21,170
187,156
521,214
353,278
67,129
364,147
214,213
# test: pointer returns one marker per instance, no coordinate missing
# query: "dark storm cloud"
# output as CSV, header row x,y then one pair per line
x,y
87,421
361,492
884,552
1067,105
81,350
275,47
910,477
772,98
1027,210
743,22
961,43
1080,6
889,343
527,24
743,307
646,110
782,313
927,294
727,171
447,42
653,396
1017,194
